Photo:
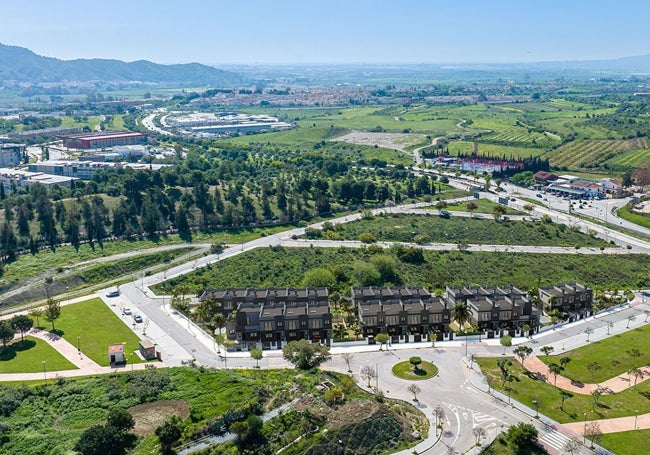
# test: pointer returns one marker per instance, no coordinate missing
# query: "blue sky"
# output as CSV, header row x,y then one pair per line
x,y
332,31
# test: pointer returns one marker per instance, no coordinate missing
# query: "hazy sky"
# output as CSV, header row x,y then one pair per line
x,y
332,31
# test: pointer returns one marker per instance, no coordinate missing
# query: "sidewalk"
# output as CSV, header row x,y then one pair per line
x,y
18,377
640,422
85,365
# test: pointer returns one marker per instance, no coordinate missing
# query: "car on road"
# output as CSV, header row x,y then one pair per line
x,y
646,293
126,310
137,318
539,195
113,294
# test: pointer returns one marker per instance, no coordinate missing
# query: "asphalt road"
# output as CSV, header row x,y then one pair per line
x,y
465,405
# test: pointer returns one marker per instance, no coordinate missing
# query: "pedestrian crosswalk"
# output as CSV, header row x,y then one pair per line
x,y
555,439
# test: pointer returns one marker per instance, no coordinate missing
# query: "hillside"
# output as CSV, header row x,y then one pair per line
x,y
22,65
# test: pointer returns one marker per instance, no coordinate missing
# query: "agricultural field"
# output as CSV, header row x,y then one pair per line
x,y
50,418
621,155
404,228
518,130
286,267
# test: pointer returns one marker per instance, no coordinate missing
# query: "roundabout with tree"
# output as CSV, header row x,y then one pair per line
x,y
415,369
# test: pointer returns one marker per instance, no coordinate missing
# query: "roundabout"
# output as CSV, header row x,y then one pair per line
x,y
415,369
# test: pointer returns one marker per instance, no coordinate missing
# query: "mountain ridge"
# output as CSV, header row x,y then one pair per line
x,y
25,66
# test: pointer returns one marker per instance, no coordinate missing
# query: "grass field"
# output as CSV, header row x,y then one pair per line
x,y
97,327
401,228
526,388
279,267
627,442
484,206
49,418
603,352
634,217
27,357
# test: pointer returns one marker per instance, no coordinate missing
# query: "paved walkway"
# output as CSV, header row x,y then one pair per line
x,y
641,422
85,365
613,385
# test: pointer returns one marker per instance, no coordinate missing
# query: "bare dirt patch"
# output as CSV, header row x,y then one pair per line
x,y
395,141
350,412
149,416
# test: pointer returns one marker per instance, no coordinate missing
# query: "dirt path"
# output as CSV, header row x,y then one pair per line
x,y
613,385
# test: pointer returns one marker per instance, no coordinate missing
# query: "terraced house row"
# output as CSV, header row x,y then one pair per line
x,y
274,316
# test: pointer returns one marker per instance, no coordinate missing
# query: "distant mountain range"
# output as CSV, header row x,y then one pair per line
x,y
22,65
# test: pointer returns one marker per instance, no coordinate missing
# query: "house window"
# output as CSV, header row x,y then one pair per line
x,y
303,323
280,324
291,325
268,326
316,324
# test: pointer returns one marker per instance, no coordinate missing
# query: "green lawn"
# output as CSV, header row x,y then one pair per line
x,y
401,228
404,370
97,327
614,348
627,442
526,388
27,357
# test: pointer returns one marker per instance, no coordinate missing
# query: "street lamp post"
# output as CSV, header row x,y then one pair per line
x,y
536,403
78,344
635,417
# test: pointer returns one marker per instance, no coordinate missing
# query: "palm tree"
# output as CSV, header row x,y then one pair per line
x,y
564,361
563,396
219,321
637,373
461,314
522,352
555,369
339,331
